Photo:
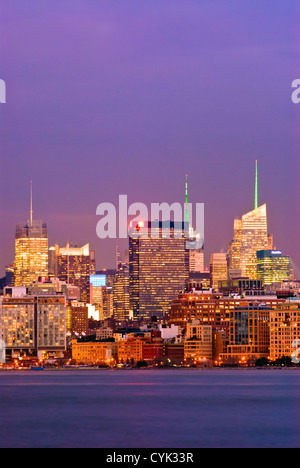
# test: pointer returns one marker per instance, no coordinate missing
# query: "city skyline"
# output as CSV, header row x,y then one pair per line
x,y
207,254
150,236
167,96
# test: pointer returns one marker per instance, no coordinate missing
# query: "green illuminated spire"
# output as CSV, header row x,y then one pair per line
x,y
256,186
186,200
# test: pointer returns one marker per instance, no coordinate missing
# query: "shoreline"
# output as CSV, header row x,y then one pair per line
x,y
147,369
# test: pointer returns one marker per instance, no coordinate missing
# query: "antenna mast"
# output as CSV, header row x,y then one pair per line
x,y
256,186
31,211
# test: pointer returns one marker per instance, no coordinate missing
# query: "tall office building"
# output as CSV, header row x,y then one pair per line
x,y
250,235
97,283
196,261
158,267
272,266
74,265
121,293
218,269
33,324
101,295
31,250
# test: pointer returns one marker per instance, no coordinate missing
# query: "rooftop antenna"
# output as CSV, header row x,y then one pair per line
x,y
31,211
256,186
186,200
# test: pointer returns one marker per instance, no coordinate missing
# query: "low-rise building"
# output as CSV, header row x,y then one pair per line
x,y
94,352
285,330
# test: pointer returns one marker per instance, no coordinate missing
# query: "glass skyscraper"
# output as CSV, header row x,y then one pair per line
x,y
250,235
272,266
74,265
31,252
158,267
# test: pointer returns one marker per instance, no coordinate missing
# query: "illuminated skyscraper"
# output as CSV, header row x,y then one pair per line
x,y
158,267
121,293
218,269
74,265
250,235
272,266
31,250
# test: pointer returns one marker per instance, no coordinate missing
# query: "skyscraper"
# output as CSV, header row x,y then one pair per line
x,y
250,235
121,293
272,266
31,250
218,269
74,265
158,267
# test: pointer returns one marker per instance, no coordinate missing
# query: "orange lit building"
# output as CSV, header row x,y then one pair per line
x,y
249,337
94,352
131,349
211,308
198,342
284,330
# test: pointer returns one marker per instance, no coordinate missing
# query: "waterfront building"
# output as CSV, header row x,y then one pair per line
x,y
212,308
249,334
285,330
131,349
32,325
198,342
94,352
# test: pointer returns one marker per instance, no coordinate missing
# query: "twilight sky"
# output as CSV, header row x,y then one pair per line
x,y
109,97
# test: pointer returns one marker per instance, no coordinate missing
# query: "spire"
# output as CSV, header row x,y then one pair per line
x,y
256,186
31,211
186,200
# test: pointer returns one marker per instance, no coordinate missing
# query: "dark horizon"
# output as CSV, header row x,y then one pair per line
x,y
105,99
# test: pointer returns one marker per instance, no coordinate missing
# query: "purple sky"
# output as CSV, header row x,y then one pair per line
x,y
110,97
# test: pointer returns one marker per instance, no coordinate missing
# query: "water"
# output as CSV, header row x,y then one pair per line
x,y
150,408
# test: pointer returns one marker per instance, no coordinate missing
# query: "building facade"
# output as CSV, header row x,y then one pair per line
x,y
250,235
249,336
218,269
94,352
212,308
31,252
272,266
33,325
121,306
158,267
285,330
74,265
